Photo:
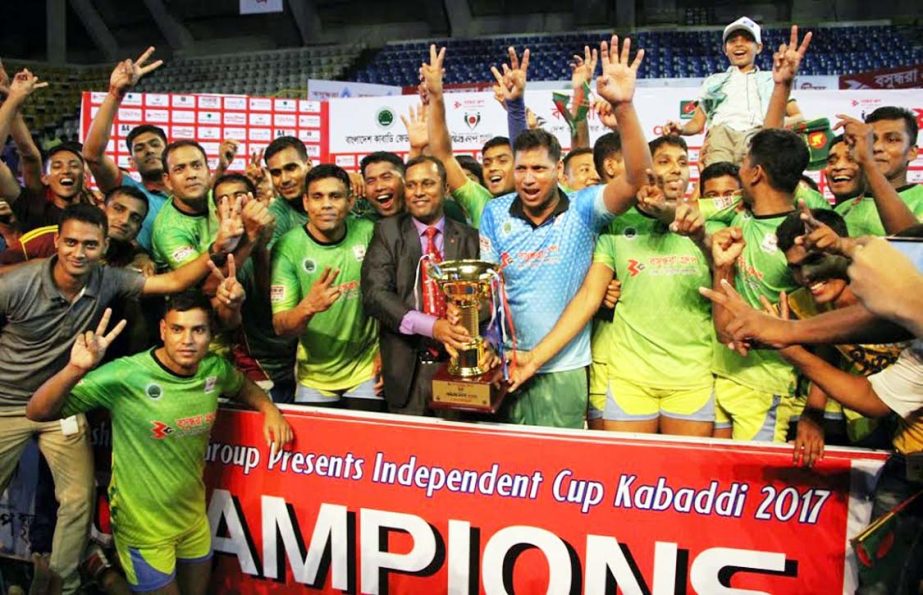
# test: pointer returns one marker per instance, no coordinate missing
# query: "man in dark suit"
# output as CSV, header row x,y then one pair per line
x,y
413,329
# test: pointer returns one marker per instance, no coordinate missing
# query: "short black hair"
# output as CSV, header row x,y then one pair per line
x,y
891,112
70,147
672,139
497,141
792,227
178,144
606,146
782,154
718,169
87,214
326,170
285,142
469,163
234,177
427,159
191,299
837,140
139,130
538,139
129,191
576,153
378,157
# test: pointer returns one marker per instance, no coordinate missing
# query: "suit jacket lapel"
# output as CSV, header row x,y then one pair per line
x,y
450,248
411,238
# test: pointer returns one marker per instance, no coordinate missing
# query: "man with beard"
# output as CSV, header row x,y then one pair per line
x,y
145,143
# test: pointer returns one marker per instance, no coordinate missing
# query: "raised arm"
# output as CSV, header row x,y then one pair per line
x,y
22,85
417,130
126,75
29,155
617,86
895,215
88,350
694,126
440,139
785,64
511,87
582,72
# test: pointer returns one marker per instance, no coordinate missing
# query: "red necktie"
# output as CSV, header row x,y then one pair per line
x,y
433,298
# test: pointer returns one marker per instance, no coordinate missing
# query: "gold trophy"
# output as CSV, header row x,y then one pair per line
x,y
462,383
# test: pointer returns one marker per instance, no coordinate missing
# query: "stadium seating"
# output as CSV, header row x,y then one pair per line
x,y
670,53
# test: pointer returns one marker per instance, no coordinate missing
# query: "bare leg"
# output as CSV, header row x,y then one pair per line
x,y
685,427
193,576
647,426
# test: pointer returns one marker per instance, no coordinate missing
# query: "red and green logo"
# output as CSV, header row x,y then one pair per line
x,y
687,108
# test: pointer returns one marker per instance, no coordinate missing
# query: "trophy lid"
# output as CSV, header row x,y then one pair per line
x,y
463,270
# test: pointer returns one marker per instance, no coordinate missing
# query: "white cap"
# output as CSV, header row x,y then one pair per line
x,y
743,24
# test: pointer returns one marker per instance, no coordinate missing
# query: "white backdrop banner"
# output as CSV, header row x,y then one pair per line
x,y
360,126
319,90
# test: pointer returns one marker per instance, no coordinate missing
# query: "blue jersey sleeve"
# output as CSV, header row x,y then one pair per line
x,y
490,252
591,206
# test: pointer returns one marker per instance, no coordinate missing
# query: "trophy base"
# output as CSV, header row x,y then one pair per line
x,y
482,393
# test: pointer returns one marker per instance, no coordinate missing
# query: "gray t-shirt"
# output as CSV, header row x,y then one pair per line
x,y
40,324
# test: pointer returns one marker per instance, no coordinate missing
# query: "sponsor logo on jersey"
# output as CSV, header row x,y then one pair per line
x,y
181,254
770,243
277,293
359,252
160,430
210,383
634,267
153,390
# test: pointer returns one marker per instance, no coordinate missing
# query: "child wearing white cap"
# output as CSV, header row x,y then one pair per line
x,y
733,103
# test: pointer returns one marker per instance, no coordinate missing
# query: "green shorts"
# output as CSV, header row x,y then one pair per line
x,y
752,414
555,399
153,566
627,401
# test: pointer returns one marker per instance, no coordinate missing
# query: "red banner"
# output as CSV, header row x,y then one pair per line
x,y
377,504
900,77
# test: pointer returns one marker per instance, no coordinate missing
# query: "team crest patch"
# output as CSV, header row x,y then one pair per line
x,y
770,242
630,233
153,391
309,265
277,293
507,228
359,252
210,383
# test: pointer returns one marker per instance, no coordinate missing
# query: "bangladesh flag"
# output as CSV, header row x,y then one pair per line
x,y
580,107
884,546
818,137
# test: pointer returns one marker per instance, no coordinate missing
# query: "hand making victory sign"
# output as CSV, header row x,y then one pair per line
x,y
127,73
230,292
786,60
512,83
90,347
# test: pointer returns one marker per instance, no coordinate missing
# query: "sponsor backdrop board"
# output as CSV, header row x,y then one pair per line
x,y
377,504
209,119
360,126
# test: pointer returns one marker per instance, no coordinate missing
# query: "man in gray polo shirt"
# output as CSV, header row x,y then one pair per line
x,y
46,304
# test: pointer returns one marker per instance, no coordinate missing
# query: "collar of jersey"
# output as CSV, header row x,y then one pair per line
x,y
165,368
326,244
517,211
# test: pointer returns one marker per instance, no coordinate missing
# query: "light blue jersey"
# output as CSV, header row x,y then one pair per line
x,y
544,266
155,201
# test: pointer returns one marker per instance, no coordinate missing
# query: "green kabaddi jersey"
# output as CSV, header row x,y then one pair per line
x,y
338,347
762,270
719,209
179,238
287,218
662,335
861,214
473,198
160,425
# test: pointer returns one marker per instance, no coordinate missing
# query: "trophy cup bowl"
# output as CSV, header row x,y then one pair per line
x,y
463,384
